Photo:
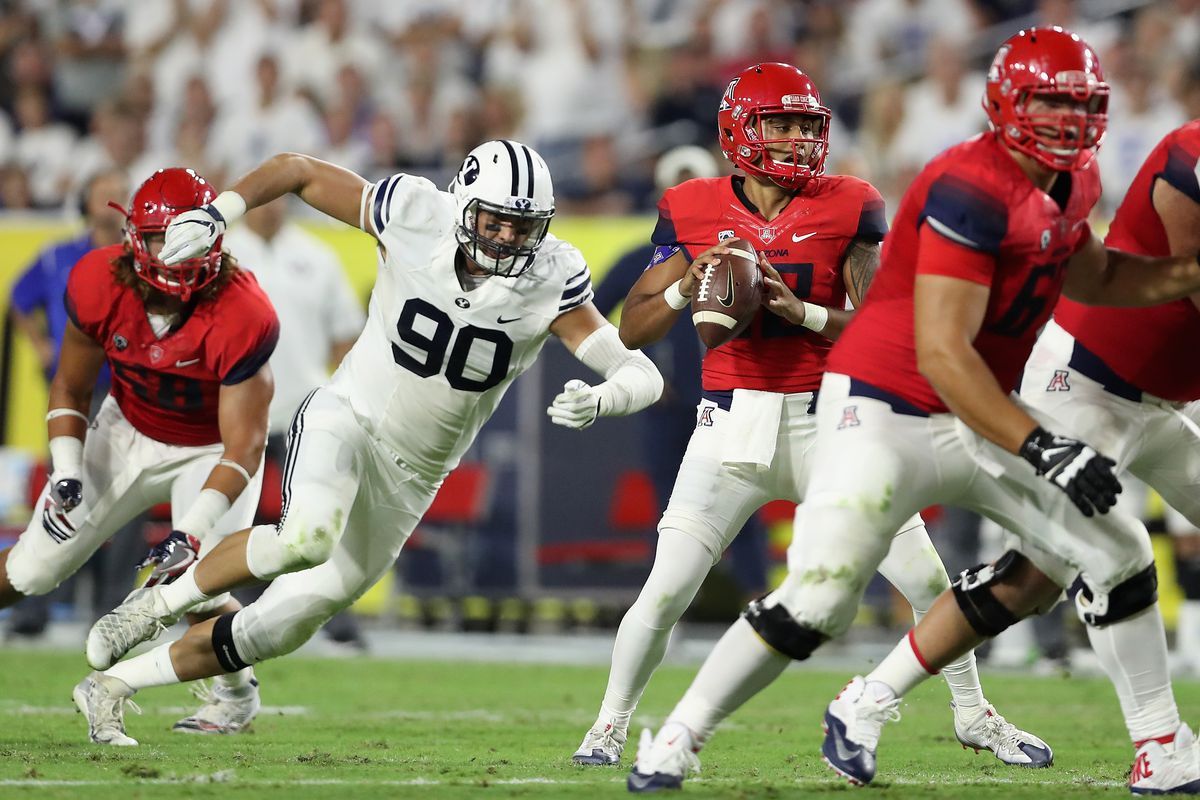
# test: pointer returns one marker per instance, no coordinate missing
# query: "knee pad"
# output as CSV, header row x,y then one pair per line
x,y
985,614
1187,573
1131,596
273,550
781,631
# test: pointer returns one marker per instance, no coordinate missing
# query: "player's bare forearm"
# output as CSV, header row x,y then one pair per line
x,y
242,417
969,389
859,268
330,189
948,315
1100,276
71,388
646,317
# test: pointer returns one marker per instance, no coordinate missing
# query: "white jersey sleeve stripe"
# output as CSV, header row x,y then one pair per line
x,y
387,202
378,207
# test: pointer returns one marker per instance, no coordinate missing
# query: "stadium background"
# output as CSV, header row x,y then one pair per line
x,y
601,88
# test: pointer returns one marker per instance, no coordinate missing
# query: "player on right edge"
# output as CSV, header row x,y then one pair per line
x,y
916,410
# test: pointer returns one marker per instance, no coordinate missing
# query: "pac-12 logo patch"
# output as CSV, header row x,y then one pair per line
x,y
849,418
120,342
156,353
725,234
1059,382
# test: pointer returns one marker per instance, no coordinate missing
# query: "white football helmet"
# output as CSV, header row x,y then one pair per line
x,y
510,180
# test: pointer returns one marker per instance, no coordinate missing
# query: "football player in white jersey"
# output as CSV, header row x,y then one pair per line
x,y
470,286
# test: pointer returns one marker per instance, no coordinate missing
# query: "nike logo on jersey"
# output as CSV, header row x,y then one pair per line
x,y
727,300
796,238
504,321
187,363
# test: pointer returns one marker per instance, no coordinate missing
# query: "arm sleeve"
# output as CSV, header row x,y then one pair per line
x,y
941,255
249,346
1181,171
963,212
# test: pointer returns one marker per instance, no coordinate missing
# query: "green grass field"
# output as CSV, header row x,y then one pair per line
x,y
374,728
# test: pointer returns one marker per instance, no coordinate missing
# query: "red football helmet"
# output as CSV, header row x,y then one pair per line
x,y
166,194
1048,62
763,90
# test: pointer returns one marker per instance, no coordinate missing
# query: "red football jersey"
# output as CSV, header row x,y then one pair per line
x,y
1151,347
976,196
806,243
168,388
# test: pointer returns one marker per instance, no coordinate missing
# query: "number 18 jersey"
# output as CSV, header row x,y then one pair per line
x,y
434,360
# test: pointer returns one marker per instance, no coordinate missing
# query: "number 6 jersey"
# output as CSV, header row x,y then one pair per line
x,y
434,359
974,196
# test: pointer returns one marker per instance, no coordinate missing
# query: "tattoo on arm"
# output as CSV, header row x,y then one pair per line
x,y
862,261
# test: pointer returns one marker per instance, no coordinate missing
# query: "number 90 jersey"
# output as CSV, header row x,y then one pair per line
x,y
434,360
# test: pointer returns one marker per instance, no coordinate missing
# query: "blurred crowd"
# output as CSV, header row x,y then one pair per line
x,y
601,87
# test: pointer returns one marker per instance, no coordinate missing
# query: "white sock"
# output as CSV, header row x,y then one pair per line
x,y
962,676
680,565
739,667
183,593
1134,654
149,669
902,669
236,680
1187,634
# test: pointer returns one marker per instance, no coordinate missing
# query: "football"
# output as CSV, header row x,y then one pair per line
x,y
729,295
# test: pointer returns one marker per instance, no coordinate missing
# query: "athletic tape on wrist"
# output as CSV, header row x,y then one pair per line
x,y
675,298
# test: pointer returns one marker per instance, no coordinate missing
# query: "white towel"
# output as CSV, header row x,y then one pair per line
x,y
753,428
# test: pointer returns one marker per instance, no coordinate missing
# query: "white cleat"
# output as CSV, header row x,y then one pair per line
x,y
853,724
663,761
603,744
1172,768
225,710
141,617
988,730
102,701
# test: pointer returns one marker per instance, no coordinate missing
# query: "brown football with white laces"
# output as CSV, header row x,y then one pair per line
x,y
729,295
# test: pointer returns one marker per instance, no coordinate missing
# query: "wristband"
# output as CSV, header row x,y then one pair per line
x,y
236,467
229,207
55,413
209,507
66,455
676,299
815,317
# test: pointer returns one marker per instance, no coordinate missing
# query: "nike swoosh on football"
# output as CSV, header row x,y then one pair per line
x,y
500,319
796,238
187,363
727,300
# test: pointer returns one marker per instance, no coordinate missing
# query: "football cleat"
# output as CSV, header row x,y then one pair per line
x,y
988,730
225,710
663,761
102,700
603,744
1171,768
853,723
141,617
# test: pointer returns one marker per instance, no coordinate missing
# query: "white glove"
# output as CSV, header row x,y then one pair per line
x,y
576,406
191,234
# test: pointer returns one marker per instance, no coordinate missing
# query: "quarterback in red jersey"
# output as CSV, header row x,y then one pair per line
x,y
818,239
185,423
916,410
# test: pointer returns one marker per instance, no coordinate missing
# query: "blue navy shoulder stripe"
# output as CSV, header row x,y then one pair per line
x,y
1180,172
872,221
965,213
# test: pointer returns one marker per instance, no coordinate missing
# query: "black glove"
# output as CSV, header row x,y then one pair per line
x,y
67,494
1086,476
171,557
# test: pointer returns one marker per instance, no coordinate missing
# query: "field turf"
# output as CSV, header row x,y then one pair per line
x,y
373,728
